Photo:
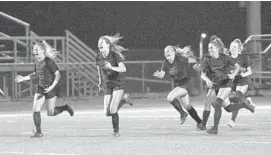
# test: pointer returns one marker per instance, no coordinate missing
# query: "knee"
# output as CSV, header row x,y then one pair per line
x,y
227,109
170,98
50,112
218,103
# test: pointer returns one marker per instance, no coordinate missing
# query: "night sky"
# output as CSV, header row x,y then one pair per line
x,y
143,24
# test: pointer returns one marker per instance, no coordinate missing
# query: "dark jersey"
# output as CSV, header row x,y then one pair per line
x,y
219,68
107,74
178,70
242,60
45,70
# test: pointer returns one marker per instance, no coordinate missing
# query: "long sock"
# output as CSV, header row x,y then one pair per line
x,y
205,117
115,122
122,102
234,107
218,112
59,109
234,115
239,97
37,121
176,104
193,113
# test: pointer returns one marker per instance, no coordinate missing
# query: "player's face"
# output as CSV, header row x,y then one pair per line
x,y
38,53
234,49
103,47
213,50
169,53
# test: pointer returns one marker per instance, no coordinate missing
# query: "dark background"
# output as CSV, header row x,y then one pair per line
x,y
144,25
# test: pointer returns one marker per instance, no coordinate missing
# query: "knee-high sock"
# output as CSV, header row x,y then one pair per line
x,y
234,115
37,121
122,102
218,111
115,122
193,113
177,105
59,109
205,117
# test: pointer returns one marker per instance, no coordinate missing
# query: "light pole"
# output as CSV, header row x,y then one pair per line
x,y
202,37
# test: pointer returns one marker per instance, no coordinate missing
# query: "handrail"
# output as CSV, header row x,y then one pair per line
x,y
79,41
14,19
19,41
256,35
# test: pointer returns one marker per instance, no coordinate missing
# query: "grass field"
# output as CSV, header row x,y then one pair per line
x,y
150,127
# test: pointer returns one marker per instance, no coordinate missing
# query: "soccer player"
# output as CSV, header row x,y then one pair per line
x,y
221,81
110,68
48,86
177,67
240,83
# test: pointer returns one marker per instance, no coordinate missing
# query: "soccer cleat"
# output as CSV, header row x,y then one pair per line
x,y
37,135
127,99
203,128
199,125
249,105
70,110
183,118
213,130
231,123
116,134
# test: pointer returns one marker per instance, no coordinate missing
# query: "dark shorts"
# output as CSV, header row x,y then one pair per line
x,y
223,84
51,94
110,86
182,83
240,81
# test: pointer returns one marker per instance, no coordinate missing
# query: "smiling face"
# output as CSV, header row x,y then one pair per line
x,y
103,46
213,50
235,49
169,53
38,52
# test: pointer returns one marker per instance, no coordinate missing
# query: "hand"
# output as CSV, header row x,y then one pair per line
x,y
197,67
108,65
48,89
159,74
243,70
242,74
19,78
100,86
231,76
210,84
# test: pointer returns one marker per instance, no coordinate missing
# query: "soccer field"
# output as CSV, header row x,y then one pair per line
x,y
150,127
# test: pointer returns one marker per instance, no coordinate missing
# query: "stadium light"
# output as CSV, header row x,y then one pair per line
x,y
203,35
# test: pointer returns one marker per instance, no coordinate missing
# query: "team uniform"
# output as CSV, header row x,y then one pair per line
x,y
112,80
239,80
218,70
179,72
45,71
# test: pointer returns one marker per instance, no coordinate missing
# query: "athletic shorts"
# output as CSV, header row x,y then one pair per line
x,y
239,81
51,94
223,84
110,86
183,83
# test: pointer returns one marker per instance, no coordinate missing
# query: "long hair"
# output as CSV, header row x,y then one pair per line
x,y
48,50
218,43
240,44
113,42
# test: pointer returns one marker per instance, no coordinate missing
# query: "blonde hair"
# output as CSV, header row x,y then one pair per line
x,y
48,50
239,42
186,51
113,42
